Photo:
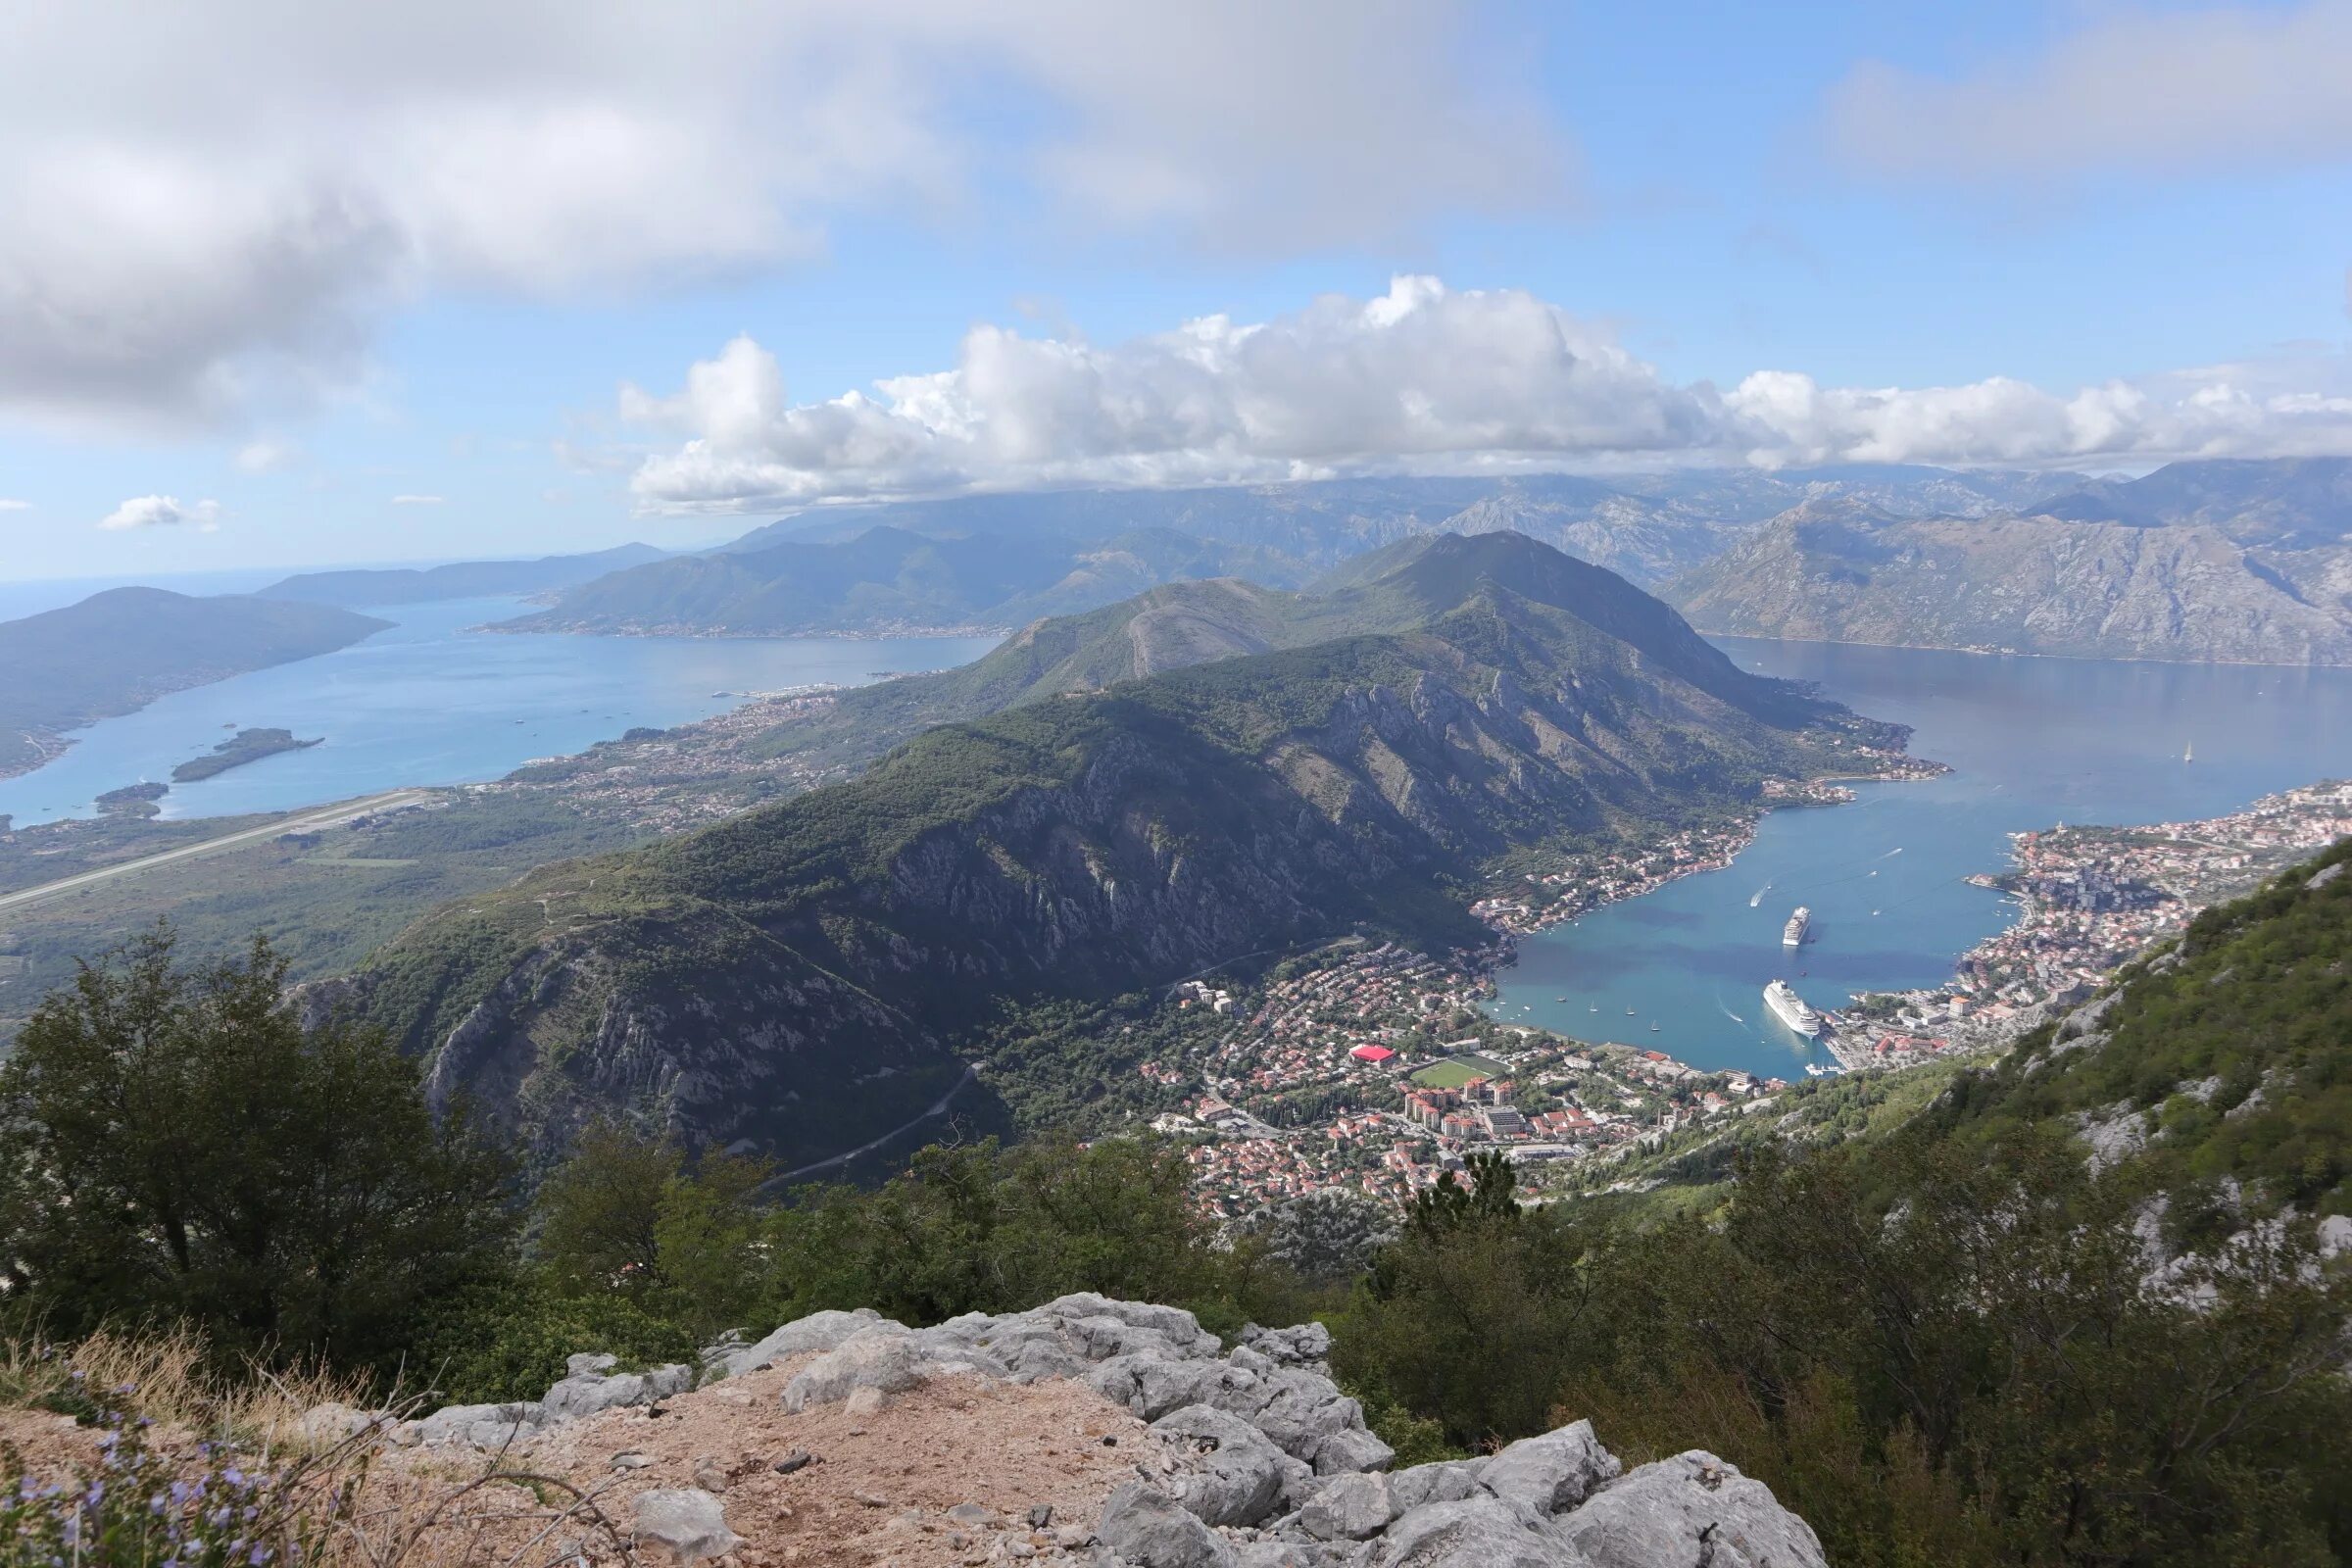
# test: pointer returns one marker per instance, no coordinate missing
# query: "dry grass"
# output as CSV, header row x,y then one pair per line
x,y
172,1382
337,1494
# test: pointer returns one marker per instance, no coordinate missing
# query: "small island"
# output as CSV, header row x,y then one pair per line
x,y
133,799
245,746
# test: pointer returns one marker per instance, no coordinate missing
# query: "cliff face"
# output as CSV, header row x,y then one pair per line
x,y
2045,585
797,975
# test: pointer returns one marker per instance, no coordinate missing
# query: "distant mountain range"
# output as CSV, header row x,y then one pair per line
x,y
889,579
464,579
117,651
2220,561
802,975
1002,561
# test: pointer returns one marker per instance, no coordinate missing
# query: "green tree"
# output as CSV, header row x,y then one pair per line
x,y
184,1150
600,1213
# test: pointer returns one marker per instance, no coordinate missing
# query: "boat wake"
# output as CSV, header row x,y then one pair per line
x,y
1729,1013
1892,854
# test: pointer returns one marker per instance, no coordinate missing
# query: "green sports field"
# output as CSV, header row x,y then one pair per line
x,y
1456,1071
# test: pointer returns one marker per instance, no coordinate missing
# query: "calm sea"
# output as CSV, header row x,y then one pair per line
x,y
431,701
2032,742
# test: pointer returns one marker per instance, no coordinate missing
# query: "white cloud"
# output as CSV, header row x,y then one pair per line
x,y
2159,90
229,207
418,501
2004,422
264,456
1420,375
10,504
162,511
1420,378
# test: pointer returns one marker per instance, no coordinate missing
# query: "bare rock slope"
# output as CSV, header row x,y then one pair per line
x,y
2035,585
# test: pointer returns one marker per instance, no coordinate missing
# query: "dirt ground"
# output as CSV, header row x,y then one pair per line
x,y
879,1486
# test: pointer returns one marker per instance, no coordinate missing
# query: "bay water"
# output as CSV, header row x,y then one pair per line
x,y
434,701
2032,742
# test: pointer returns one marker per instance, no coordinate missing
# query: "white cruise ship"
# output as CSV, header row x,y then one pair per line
x,y
1789,1007
1793,933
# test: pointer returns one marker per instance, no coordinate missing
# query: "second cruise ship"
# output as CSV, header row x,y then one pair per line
x,y
1793,933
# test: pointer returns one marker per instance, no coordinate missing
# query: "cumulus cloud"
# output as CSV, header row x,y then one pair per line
x,y
226,208
2002,422
1420,378
418,501
1419,375
162,511
2159,90
10,504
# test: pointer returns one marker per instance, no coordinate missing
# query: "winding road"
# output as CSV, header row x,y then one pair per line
x,y
937,1109
300,822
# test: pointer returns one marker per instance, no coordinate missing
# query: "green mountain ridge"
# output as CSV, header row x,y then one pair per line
x,y
803,975
2218,1070
1393,589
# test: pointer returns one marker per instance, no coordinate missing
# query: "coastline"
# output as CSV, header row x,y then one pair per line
x,y
48,743
1723,844
2092,899
2016,652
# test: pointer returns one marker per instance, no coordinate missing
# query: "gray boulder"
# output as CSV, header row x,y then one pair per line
x,y
1351,1448
1551,1473
1691,1511
1152,1529
476,1426
1307,1346
326,1425
1229,1474
883,1357
1476,1532
1447,1481
1348,1507
819,1331
688,1525
591,1388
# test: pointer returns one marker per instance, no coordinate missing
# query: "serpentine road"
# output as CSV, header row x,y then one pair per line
x,y
300,823
938,1109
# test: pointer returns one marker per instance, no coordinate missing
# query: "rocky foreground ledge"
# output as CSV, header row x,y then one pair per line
x,y
1137,1438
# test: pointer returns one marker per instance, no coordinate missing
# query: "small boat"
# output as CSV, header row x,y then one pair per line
x,y
1595,1006
1653,1028
2188,752
1559,998
1629,1012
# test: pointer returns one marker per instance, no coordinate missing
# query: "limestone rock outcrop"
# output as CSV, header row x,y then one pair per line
x,y
1251,1456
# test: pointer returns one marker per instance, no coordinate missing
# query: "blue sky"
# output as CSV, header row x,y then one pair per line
x,y
431,282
